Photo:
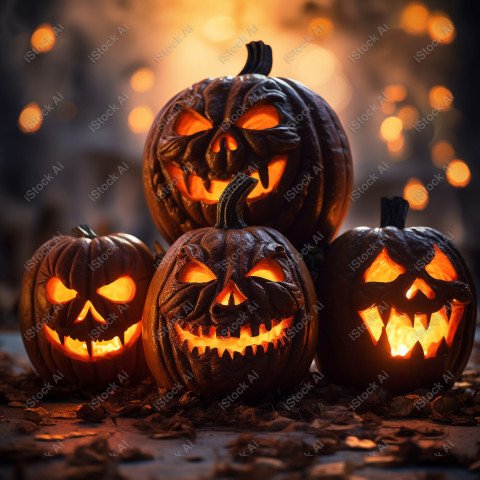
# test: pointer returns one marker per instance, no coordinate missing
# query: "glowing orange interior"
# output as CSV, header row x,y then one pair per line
x,y
420,285
119,291
267,269
189,122
195,272
231,142
57,292
86,308
196,191
230,295
441,268
259,117
383,269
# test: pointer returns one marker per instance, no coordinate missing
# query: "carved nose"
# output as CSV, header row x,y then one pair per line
x,y
224,140
86,308
422,285
231,295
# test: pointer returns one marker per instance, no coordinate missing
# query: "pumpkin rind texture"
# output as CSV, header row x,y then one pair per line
x,y
274,129
81,308
397,301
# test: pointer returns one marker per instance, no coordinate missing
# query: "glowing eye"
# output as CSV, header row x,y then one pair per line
x,y
121,290
441,268
57,292
190,122
267,269
383,269
259,117
195,272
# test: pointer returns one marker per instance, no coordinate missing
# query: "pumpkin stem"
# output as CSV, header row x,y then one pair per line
x,y
259,59
394,212
232,201
83,231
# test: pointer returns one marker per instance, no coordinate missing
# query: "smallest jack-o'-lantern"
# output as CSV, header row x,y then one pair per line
x,y
399,303
230,306
81,307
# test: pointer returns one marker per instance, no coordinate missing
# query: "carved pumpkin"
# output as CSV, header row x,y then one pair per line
x,y
274,129
230,304
81,307
399,300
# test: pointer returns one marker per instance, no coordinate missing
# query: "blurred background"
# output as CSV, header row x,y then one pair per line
x,y
83,79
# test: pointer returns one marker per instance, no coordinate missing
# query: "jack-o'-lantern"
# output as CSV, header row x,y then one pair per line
x,y
231,305
274,129
81,307
397,300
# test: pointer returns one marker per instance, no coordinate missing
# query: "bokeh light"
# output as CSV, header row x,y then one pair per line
x,y
142,79
140,119
396,146
440,98
408,115
442,153
416,194
43,38
316,66
414,18
219,29
30,118
441,28
458,173
391,128
396,93
320,27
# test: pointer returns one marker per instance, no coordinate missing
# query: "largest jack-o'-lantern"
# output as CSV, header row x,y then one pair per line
x,y
397,300
81,308
274,129
230,306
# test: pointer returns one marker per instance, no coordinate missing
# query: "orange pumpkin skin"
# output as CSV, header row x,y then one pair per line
x,y
397,301
249,123
228,306
75,312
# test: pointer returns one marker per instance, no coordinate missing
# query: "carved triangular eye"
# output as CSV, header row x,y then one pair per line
x,y
195,272
441,267
268,270
189,122
119,291
259,117
383,269
57,292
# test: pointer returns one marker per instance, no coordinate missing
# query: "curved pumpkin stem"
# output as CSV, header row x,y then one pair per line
x,y
394,212
232,201
259,59
83,231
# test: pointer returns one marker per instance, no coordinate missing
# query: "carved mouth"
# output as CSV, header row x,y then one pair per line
x,y
91,350
421,334
196,189
228,346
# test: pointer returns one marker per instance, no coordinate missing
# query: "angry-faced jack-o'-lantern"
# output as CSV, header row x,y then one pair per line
x,y
399,300
274,129
81,307
230,304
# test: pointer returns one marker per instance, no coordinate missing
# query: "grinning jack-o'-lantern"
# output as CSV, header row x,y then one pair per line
x,y
81,307
229,305
274,129
399,300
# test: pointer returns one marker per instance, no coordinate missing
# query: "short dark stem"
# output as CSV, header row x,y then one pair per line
x,y
83,231
394,212
231,203
259,59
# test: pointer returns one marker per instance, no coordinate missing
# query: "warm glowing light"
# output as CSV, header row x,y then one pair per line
x,y
195,272
441,267
57,292
89,307
320,27
259,117
230,345
230,295
30,118
391,128
416,194
420,285
230,142
441,28
122,290
267,269
414,18
395,147
140,119
190,122
442,153
219,29
440,98
193,188
409,116
383,269
458,173
316,66
396,93
373,320
142,79
43,38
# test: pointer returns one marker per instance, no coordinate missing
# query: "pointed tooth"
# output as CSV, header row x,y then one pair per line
x,y
250,350
238,355
254,330
231,300
417,352
121,337
442,349
207,183
268,323
448,310
207,350
195,351
61,336
271,347
220,351
428,318
263,174
383,342
89,348
423,319
385,312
